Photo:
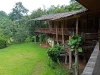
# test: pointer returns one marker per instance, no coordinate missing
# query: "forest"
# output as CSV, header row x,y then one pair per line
x,y
18,26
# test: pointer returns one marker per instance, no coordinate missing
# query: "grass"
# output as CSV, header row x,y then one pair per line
x,y
24,59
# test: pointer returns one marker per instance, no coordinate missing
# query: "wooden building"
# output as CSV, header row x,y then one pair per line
x,y
85,22
62,25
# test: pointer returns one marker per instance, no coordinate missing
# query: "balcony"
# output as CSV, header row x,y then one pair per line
x,y
66,31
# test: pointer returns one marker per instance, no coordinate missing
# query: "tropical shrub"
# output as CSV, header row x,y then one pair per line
x,y
3,43
54,52
30,39
75,45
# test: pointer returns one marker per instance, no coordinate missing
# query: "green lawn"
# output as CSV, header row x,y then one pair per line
x,y
24,59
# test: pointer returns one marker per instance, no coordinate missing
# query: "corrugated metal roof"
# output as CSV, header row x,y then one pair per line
x,y
59,15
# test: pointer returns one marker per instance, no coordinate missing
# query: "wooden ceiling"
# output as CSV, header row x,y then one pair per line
x,y
90,4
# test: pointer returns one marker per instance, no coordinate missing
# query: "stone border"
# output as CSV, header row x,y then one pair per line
x,y
92,61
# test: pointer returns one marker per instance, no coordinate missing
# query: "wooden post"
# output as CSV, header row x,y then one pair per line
x,y
40,38
56,32
46,40
99,33
49,23
70,56
35,38
86,24
62,27
76,52
77,26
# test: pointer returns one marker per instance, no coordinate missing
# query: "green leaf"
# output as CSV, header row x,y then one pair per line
x,y
72,49
80,49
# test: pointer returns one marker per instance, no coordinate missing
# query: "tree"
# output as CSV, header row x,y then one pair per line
x,y
18,12
3,14
75,45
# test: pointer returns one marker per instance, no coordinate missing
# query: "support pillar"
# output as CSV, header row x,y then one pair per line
x,y
35,39
99,33
76,52
62,28
56,32
77,26
46,39
40,39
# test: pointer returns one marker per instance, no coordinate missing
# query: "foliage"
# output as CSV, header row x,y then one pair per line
x,y
30,39
43,38
52,64
18,11
3,43
3,14
75,43
19,26
54,52
64,71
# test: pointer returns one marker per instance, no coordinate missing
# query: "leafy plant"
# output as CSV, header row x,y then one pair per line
x,y
75,45
3,43
30,39
54,52
52,64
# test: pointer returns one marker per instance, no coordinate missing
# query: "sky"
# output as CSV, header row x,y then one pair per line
x,y
7,5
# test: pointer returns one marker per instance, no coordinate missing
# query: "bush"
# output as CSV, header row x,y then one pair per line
x,y
30,39
43,38
54,52
3,43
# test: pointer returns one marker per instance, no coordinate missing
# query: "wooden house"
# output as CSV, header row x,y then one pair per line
x,y
85,22
62,25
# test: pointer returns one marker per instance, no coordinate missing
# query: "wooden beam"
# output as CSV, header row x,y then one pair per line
x,y
77,26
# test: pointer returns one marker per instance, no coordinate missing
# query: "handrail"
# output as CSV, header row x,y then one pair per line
x,y
53,30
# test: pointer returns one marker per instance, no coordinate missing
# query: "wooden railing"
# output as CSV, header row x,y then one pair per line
x,y
53,30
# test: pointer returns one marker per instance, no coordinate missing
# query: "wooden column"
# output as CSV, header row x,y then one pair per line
x,y
46,39
76,51
50,27
86,26
62,28
55,23
40,39
35,38
77,26
99,33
